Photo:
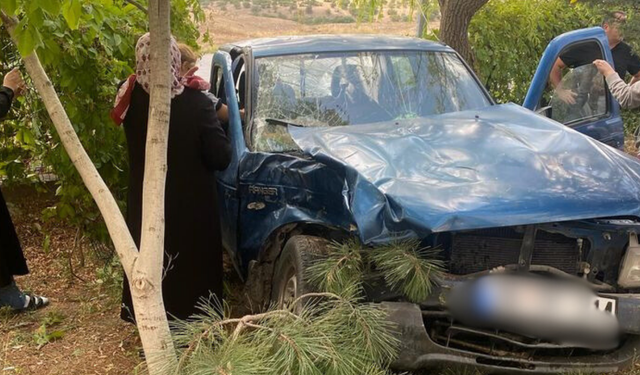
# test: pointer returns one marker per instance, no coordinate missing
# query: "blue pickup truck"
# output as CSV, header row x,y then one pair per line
x,y
379,138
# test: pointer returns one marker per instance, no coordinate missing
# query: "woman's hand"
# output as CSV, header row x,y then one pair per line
x,y
604,68
13,80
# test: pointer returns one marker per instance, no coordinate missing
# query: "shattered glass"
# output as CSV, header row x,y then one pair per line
x,y
338,89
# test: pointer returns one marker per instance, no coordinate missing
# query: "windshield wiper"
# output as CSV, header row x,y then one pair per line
x,y
275,121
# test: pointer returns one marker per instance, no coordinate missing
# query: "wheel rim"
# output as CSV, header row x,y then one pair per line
x,y
289,289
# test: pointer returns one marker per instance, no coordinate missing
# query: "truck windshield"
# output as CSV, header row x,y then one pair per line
x,y
358,88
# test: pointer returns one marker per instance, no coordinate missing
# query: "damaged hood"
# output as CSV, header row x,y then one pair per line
x,y
500,166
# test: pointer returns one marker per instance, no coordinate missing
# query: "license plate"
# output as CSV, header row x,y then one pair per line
x,y
607,305
542,302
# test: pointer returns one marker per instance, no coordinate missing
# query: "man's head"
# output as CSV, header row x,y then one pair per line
x,y
612,25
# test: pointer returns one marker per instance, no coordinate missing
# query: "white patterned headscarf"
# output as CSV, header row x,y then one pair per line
x,y
143,65
143,77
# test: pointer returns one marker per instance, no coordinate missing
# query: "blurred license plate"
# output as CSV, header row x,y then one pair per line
x,y
527,299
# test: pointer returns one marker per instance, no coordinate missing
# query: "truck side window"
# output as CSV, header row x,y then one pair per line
x,y
581,93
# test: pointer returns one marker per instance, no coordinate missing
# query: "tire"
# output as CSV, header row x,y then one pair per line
x,y
289,278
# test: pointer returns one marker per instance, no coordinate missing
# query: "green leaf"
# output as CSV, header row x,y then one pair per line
x,y
72,11
28,40
51,6
9,6
46,245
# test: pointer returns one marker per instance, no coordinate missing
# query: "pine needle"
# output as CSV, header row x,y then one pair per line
x,y
340,271
409,268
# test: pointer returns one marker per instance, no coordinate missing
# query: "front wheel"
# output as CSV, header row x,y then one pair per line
x,y
289,279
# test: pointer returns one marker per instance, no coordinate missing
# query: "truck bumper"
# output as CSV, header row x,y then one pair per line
x,y
422,350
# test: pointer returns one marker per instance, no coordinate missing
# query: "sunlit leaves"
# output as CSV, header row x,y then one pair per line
x,y
86,47
9,6
72,11
50,6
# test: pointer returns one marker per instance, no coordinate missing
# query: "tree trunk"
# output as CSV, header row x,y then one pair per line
x,y
144,268
421,21
146,277
454,24
116,225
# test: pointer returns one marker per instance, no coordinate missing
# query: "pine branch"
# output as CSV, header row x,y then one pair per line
x,y
409,268
322,340
341,271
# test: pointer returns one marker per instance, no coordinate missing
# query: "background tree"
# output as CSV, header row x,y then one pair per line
x,y
454,24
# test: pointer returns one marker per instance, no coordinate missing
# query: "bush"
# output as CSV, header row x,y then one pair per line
x,y
509,37
246,4
325,20
85,66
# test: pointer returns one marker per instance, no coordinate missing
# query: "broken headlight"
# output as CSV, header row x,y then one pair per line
x,y
630,272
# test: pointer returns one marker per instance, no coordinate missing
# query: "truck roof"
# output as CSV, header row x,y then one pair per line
x,y
293,45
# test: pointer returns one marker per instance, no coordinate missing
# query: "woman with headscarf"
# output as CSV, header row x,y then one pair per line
x,y
198,146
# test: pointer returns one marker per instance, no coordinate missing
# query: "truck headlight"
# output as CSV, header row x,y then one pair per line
x,y
630,272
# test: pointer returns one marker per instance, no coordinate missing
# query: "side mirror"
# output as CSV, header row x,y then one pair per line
x,y
544,111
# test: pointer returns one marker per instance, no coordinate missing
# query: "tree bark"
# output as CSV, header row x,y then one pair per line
x,y
454,24
146,278
116,225
144,268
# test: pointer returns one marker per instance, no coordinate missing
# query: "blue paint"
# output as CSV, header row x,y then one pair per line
x,y
293,45
498,166
609,129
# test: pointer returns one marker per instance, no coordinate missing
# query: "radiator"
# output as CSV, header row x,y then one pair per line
x,y
486,249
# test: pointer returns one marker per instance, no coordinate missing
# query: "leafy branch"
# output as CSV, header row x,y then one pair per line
x,y
331,335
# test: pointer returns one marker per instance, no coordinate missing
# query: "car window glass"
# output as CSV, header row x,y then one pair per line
x,y
581,94
357,88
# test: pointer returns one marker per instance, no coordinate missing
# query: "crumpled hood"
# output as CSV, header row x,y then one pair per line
x,y
500,166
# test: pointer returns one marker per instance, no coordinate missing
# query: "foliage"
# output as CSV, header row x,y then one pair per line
x,y
404,265
510,36
408,267
331,332
341,270
44,334
331,336
86,47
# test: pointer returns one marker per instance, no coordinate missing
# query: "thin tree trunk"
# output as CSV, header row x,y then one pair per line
x,y
144,268
454,24
116,225
146,280
421,22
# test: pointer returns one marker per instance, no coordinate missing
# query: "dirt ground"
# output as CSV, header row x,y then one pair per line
x,y
235,25
80,332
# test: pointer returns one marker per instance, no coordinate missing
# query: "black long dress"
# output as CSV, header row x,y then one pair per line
x,y
198,146
12,260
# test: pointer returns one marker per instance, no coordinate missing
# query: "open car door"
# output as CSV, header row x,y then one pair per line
x,y
593,111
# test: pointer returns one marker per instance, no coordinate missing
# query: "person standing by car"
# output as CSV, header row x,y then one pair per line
x,y
625,60
197,147
628,95
188,77
12,261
